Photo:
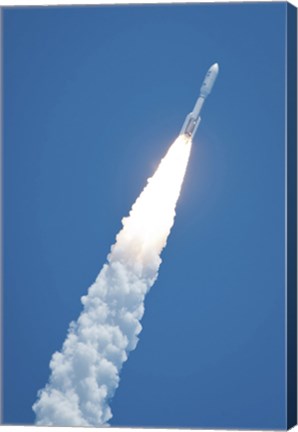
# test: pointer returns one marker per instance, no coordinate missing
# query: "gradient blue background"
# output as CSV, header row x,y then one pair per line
x,y
93,97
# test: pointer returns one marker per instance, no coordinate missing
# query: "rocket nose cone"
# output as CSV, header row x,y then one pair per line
x,y
215,67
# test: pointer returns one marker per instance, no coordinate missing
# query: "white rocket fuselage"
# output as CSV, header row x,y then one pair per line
x,y
193,119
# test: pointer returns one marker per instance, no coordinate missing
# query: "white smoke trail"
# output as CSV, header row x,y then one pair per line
x,y
85,374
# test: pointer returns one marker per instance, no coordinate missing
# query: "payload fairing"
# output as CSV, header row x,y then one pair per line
x,y
193,119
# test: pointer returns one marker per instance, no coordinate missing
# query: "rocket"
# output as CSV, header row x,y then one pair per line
x,y
193,119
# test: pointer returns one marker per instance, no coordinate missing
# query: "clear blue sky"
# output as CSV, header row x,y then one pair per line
x,y
93,97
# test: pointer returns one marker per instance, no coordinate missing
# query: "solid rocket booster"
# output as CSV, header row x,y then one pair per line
x,y
193,119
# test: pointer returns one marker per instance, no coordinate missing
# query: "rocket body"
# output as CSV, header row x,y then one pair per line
x,y
193,119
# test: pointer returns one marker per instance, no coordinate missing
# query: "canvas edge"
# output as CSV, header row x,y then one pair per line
x,y
1,216
291,218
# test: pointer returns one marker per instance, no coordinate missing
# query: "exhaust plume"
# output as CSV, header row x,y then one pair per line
x,y
85,373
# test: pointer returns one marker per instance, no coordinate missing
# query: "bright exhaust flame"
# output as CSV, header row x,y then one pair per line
x,y
85,374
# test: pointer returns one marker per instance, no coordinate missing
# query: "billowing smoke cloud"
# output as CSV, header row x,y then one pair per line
x,y
85,374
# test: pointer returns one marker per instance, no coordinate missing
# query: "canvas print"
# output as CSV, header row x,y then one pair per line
x,y
149,215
